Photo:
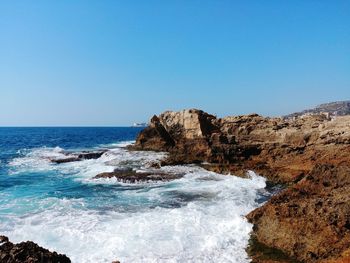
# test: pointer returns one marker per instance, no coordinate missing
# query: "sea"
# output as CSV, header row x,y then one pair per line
x,y
199,217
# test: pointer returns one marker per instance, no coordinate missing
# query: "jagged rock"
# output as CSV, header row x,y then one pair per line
x,y
27,252
188,124
280,149
132,176
79,156
310,220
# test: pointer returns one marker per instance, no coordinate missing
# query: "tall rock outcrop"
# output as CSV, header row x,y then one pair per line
x,y
185,134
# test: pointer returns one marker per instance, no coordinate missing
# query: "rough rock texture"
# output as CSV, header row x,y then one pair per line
x,y
282,150
131,176
309,221
27,252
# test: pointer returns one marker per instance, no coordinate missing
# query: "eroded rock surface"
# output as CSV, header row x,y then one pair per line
x,y
283,150
311,219
27,252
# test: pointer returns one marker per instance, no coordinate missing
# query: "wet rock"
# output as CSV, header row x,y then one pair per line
x,y
3,239
90,155
27,252
79,156
132,176
66,160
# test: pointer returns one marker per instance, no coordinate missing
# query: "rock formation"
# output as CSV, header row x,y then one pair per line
x,y
310,220
78,156
27,252
132,176
282,150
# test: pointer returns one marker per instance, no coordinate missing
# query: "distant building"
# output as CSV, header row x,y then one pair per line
x,y
332,109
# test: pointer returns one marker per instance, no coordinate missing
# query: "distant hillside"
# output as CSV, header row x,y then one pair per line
x,y
338,108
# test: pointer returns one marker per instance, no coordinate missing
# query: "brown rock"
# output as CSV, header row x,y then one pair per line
x,y
310,220
283,150
27,252
131,176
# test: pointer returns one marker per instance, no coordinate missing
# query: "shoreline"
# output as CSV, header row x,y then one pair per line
x,y
198,188
309,154
305,159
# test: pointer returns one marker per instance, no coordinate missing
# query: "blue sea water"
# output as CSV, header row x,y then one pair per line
x,y
196,218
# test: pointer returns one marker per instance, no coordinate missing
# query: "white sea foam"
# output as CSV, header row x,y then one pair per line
x,y
117,144
39,159
209,229
36,160
207,224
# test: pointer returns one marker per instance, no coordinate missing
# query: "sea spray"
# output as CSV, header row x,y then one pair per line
x,y
197,218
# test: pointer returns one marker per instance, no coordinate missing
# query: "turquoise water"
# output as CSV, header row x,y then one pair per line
x,y
197,218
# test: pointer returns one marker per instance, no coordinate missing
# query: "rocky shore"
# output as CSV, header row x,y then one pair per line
x,y
310,154
27,252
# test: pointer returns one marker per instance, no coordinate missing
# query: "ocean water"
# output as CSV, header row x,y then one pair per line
x,y
196,218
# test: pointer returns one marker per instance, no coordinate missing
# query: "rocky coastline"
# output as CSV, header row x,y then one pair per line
x,y
27,252
309,221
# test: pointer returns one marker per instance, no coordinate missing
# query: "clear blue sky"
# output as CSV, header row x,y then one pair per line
x,y
116,62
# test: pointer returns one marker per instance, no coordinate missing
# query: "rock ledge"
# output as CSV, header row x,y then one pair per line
x,y
27,252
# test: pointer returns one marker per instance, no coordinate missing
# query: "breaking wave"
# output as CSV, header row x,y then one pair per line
x,y
197,218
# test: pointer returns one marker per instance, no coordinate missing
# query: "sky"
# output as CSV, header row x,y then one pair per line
x,y
113,63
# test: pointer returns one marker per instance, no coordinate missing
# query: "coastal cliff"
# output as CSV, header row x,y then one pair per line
x,y
309,220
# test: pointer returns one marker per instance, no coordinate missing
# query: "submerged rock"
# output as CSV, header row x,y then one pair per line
x,y
27,252
79,156
132,176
